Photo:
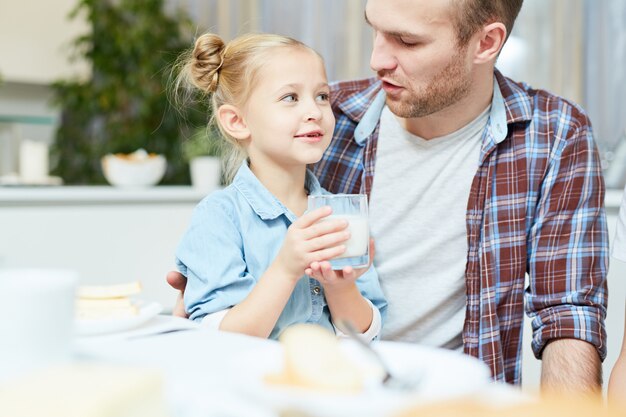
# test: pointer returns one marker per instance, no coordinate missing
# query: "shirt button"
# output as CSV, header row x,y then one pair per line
x,y
316,290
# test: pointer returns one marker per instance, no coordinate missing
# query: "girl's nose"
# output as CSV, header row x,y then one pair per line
x,y
313,112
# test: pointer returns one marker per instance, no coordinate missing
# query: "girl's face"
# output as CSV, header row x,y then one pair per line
x,y
288,113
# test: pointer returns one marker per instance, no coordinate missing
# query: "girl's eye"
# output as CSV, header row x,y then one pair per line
x,y
290,98
323,97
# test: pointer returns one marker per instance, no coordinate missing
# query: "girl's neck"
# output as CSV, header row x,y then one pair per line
x,y
285,183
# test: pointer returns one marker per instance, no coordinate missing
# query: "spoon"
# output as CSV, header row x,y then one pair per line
x,y
389,380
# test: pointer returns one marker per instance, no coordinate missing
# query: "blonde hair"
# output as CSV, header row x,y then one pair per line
x,y
227,72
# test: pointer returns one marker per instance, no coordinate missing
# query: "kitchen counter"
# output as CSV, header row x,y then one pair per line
x,y
96,195
88,195
107,234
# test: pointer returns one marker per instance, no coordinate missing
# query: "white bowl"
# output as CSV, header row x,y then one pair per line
x,y
130,170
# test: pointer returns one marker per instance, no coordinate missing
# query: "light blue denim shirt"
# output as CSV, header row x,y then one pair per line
x,y
234,236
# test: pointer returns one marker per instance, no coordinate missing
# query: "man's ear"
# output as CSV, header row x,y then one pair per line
x,y
490,42
233,122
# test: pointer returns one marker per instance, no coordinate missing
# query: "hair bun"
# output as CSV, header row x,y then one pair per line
x,y
207,59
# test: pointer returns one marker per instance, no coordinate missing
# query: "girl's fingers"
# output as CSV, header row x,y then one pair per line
x,y
348,272
328,240
313,270
308,219
315,267
327,271
329,253
324,227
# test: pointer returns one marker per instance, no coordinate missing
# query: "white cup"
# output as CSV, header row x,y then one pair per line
x,y
33,160
36,319
353,208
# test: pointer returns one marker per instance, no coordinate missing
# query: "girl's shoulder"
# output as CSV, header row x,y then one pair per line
x,y
224,200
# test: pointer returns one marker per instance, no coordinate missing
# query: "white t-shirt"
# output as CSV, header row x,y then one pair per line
x,y
619,244
418,209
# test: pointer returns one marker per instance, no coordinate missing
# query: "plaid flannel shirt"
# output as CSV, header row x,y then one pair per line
x,y
536,207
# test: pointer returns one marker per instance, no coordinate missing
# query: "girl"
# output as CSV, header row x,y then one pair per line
x,y
248,247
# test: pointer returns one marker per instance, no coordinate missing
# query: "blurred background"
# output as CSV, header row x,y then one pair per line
x,y
73,90
571,47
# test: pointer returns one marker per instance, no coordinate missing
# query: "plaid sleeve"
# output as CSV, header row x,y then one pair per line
x,y
568,241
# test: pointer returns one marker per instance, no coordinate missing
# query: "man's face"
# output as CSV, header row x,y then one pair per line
x,y
416,55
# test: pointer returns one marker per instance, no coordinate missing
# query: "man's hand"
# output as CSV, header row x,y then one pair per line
x,y
178,281
571,366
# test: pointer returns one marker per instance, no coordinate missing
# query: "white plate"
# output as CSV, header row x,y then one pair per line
x,y
443,374
147,311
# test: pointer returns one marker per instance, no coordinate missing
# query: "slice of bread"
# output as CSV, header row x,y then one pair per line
x,y
109,291
101,302
86,390
313,359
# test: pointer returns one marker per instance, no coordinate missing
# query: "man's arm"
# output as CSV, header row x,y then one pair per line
x,y
571,366
568,261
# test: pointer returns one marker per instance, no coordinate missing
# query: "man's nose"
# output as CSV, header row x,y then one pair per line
x,y
382,57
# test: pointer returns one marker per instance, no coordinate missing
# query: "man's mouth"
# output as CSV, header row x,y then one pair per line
x,y
390,87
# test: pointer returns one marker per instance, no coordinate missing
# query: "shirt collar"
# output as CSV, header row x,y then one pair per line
x,y
370,119
499,126
264,204
518,104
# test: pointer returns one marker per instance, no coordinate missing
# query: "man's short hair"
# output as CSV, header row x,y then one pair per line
x,y
470,15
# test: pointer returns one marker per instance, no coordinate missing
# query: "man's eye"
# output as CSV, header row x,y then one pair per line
x,y
323,97
407,42
290,98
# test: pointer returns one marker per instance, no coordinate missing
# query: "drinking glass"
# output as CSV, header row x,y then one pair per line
x,y
353,208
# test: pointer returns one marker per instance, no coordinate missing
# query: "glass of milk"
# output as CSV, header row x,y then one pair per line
x,y
353,208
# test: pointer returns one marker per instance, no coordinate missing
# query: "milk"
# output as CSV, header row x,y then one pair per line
x,y
353,208
359,234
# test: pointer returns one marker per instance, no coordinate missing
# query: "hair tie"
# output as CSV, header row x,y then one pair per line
x,y
219,67
216,75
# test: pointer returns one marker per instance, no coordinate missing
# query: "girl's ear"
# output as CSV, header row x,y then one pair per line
x,y
232,122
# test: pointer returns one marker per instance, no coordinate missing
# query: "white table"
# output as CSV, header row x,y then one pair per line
x,y
200,367
207,372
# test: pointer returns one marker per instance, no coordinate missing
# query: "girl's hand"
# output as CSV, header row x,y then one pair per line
x,y
309,240
337,279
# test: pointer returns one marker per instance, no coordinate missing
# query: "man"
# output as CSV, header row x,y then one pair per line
x,y
474,181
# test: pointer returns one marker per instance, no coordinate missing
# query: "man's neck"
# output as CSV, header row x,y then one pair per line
x,y
454,117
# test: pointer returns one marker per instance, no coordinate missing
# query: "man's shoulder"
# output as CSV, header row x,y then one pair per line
x,y
341,91
524,102
541,99
354,97
352,86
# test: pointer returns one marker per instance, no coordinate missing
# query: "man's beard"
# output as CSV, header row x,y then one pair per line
x,y
446,88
